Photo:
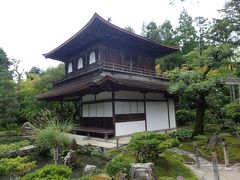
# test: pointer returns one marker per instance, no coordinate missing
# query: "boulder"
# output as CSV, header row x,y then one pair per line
x,y
89,169
71,158
215,140
142,171
27,129
73,145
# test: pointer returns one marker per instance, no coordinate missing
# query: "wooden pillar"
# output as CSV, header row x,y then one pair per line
x,y
145,111
113,112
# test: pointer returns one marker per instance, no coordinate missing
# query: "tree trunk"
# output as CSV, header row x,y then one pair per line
x,y
199,122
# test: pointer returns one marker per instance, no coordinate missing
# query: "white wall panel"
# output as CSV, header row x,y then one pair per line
x,y
93,110
85,110
155,96
172,114
126,128
157,116
133,107
89,97
126,107
128,95
104,95
108,109
140,107
100,110
118,107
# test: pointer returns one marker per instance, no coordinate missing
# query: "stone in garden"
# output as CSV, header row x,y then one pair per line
x,y
89,169
71,158
142,171
73,145
27,129
180,178
215,140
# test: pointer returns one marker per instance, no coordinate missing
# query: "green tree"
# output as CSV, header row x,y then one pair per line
x,y
130,29
35,84
227,29
187,35
198,78
8,99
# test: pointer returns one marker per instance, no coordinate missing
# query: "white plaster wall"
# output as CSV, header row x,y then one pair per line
x,y
104,95
89,97
157,116
129,107
128,95
155,96
126,128
85,110
100,110
133,107
93,110
140,107
107,109
172,113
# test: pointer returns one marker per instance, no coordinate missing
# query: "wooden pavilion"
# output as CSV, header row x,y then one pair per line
x,y
110,72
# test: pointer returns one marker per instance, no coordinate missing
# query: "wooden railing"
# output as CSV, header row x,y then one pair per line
x,y
106,66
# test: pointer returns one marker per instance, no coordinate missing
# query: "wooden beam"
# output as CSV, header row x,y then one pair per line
x,y
113,112
144,102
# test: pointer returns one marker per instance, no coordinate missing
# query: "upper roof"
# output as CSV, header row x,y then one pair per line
x,y
98,30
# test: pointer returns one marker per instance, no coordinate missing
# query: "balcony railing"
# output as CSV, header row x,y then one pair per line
x,y
107,66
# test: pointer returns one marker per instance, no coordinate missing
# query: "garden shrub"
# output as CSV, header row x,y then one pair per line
x,y
13,148
149,145
50,172
117,166
185,116
18,166
182,133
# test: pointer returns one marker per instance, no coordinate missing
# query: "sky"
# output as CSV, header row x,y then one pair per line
x,y
30,28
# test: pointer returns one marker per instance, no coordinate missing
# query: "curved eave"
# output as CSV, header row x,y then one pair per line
x,y
92,33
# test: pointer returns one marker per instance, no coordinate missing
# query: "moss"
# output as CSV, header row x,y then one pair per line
x,y
170,166
233,148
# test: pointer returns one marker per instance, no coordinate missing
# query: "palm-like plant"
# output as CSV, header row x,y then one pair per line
x,y
52,135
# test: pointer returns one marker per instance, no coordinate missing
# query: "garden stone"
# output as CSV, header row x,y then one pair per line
x,y
214,140
89,169
180,178
142,171
27,129
71,158
73,145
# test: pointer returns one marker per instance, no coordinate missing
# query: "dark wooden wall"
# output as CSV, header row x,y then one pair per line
x,y
124,58
112,55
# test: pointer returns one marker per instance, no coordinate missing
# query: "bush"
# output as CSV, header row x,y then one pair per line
x,y
13,148
182,134
118,165
17,166
50,172
149,145
185,116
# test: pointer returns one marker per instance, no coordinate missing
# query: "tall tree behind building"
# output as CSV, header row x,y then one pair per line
x,y
8,99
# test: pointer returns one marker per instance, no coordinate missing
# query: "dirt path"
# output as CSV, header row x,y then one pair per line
x,y
206,171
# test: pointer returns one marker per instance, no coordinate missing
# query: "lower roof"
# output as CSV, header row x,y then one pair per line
x,y
103,81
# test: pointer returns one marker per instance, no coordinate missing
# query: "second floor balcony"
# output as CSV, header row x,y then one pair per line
x,y
108,66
